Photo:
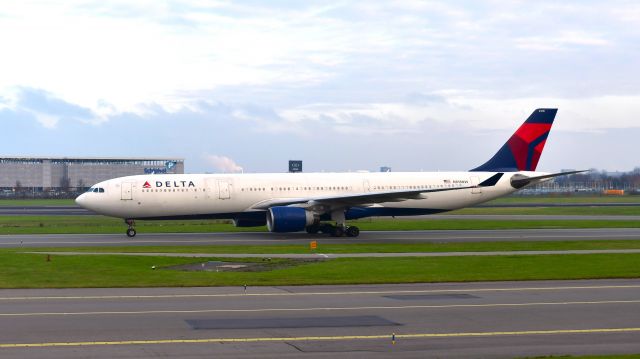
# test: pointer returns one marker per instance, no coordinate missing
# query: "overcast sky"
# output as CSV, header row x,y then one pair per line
x,y
348,85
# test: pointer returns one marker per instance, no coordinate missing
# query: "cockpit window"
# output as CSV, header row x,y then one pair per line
x,y
101,190
96,190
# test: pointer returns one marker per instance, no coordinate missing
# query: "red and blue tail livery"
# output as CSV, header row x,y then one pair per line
x,y
522,151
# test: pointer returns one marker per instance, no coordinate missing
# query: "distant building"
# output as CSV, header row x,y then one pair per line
x,y
295,166
385,169
76,173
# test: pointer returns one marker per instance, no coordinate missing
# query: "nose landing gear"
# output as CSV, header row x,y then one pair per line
x,y
131,231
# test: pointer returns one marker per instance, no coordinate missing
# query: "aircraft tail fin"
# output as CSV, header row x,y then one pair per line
x,y
522,151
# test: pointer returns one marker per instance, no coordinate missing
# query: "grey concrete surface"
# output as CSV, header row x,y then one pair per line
x,y
348,255
261,238
448,320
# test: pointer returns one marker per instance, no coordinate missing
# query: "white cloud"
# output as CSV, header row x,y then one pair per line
x,y
563,40
223,163
46,120
575,114
83,56
293,70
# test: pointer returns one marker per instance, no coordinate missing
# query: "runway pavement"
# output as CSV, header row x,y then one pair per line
x,y
262,238
502,320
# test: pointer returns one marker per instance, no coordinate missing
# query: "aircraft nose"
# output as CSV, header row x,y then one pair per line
x,y
81,200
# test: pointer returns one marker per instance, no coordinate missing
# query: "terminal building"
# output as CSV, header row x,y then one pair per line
x,y
76,173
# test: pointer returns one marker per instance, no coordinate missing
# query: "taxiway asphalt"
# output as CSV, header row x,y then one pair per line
x,y
262,238
502,320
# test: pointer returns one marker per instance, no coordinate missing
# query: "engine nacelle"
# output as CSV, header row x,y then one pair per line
x,y
289,219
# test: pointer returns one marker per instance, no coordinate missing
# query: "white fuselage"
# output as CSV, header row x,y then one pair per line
x,y
228,195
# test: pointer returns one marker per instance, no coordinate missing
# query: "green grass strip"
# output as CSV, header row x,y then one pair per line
x,y
613,356
551,211
359,248
33,271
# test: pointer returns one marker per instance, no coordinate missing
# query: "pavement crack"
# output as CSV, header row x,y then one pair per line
x,y
294,346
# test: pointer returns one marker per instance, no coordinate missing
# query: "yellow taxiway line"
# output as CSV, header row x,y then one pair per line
x,y
321,338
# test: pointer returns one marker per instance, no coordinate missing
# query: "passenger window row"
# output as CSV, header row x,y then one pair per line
x,y
174,190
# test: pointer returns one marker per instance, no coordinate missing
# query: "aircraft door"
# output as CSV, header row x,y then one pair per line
x,y
127,191
474,182
366,187
224,189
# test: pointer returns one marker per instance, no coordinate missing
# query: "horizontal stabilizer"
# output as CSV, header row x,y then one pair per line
x,y
518,181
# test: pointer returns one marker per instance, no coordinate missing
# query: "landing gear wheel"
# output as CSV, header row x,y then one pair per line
x,y
131,232
352,231
337,231
326,228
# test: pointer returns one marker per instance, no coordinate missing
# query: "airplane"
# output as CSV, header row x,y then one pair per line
x,y
323,202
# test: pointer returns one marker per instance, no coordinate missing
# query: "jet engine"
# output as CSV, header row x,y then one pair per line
x,y
290,219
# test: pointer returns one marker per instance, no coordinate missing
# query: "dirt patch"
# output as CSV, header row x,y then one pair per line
x,y
262,266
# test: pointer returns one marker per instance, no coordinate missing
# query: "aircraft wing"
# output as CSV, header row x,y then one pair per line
x,y
365,198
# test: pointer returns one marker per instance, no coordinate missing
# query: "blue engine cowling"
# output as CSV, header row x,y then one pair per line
x,y
289,219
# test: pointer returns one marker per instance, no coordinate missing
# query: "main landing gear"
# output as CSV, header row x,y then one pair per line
x,y
341,227
334,231
131,232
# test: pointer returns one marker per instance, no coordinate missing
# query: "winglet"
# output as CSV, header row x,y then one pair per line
x,y
518,181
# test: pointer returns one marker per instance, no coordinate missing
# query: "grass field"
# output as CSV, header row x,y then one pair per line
x,y
33,271
620,356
